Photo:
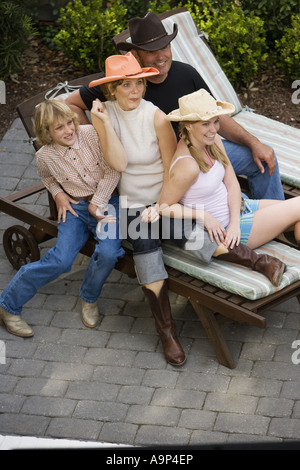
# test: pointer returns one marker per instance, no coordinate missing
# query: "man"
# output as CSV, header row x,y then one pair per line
x,y
150,44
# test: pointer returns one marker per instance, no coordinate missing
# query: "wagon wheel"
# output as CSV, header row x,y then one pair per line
x,y
20,246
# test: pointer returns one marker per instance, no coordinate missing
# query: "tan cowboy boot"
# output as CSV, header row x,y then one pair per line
x,y
14,324
89,314
161,311
270,266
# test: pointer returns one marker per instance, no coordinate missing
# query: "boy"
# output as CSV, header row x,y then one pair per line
x,y
73,169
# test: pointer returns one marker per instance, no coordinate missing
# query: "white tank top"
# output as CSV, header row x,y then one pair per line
x,y
140,184
208,192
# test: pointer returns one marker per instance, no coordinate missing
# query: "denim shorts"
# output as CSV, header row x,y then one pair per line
x,y
248,207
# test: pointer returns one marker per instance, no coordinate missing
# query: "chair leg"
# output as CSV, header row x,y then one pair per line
x,y
214,334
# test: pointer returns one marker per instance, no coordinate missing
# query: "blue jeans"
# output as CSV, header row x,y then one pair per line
x,y
261,185
72,236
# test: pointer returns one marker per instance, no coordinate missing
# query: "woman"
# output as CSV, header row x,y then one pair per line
x,y
149,142
201,173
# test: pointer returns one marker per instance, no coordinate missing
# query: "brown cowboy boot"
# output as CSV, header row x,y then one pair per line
x,y
161,310
270,266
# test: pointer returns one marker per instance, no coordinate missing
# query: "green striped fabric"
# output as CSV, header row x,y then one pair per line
x,y
188,47
233,278
284,139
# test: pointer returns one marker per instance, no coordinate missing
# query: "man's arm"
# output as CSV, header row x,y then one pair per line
x,y
75,102
231,130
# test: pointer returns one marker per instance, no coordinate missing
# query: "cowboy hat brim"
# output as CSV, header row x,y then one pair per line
x,y
147,72
223,108
154,45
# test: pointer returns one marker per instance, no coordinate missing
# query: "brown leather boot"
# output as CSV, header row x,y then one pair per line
x,y
270,266
161,310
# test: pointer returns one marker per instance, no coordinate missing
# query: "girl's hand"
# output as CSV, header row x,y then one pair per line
x,y
214,228
150,215
233,235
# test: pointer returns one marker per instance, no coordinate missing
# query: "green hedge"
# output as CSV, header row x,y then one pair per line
x,y
16,28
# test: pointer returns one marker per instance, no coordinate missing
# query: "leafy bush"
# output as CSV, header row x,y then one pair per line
x,y
16,28
276,15
289,48
87,31
237,40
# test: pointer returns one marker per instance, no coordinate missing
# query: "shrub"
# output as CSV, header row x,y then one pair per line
x,y
289,49
87,31
237,40
276,15
16,28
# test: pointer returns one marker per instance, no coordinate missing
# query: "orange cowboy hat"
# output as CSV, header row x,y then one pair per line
x,y
118,67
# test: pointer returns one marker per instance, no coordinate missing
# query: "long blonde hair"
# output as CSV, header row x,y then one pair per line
x,y
214,150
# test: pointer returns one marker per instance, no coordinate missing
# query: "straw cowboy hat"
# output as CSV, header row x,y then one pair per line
x,y
147,34
118,67
199,106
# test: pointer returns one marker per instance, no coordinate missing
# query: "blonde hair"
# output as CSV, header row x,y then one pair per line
x,y
214,150
110,87
47,113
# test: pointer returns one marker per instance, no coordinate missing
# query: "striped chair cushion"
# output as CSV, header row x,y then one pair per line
x,y
284,139
190,48
233,278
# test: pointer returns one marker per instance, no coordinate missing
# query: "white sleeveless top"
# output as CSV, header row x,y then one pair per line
x,y
140,184
208,192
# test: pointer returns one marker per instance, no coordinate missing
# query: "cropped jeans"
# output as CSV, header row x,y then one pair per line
x,y
146,240
72,236
261,185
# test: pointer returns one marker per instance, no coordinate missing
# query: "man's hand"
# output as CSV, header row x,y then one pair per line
x,y
263,153
63,204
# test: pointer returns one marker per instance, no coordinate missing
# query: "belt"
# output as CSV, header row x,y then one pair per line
x,y
83,198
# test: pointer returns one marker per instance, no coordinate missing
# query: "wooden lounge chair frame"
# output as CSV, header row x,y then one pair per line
x,y
209,302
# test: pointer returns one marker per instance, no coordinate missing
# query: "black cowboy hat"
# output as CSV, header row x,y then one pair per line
x,y
147,34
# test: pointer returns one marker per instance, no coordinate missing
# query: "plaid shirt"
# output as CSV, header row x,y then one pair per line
x,y
79,170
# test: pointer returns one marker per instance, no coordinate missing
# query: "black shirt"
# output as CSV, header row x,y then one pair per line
x,y
182,80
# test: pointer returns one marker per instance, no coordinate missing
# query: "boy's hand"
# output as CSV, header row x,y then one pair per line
x,y
63,204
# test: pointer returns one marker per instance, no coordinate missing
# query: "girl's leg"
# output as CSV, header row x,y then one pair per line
x,y
272,218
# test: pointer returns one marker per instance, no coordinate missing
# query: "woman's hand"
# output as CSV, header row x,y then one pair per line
x,y
214,228
99,110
